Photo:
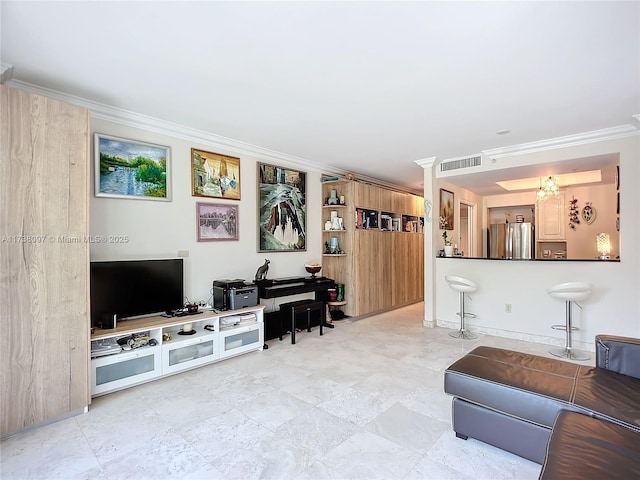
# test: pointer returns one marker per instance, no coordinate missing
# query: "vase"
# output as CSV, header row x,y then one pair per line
x,y
448,250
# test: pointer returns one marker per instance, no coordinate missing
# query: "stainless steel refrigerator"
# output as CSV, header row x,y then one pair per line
x,y
511,240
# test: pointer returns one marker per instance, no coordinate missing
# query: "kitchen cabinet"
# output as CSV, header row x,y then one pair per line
x,y
551,219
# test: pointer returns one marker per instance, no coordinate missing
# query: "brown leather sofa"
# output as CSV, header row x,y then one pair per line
x,y
577,421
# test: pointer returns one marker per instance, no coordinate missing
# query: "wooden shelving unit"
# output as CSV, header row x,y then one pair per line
x,y
382,263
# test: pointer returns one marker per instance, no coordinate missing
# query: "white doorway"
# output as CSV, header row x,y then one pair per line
x,y
466,243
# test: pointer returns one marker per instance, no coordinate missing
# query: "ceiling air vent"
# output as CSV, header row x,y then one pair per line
x,y
459,163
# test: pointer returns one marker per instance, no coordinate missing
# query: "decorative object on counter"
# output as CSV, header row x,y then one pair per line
x,y
313,268
573,213
603,245
588,213
282,218
447,207
341,199
340,297
548,189
333,198
261,273
327,225
448,245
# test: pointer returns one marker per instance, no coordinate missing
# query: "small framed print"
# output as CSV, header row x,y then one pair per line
x,y
131,169
216,221
215,175
447,208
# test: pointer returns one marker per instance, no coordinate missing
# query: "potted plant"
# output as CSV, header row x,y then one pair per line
x,y
448,245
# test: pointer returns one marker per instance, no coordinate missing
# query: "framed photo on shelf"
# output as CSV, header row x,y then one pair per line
x,y
282,209
131,169
447,208
216,221
215,175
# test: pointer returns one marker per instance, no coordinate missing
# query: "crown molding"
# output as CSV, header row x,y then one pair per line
x,y
426,162
131,119
6,72
612,133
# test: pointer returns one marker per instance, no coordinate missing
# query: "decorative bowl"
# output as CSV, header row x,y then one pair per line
x,y
312,268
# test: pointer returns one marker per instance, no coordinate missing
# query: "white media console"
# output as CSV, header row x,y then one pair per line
x,y
229,333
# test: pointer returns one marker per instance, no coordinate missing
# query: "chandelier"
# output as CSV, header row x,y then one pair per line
x,y
548,189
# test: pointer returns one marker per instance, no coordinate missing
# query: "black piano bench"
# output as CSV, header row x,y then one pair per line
x,y
293,309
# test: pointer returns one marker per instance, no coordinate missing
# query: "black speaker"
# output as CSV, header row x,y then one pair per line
x,y
107,321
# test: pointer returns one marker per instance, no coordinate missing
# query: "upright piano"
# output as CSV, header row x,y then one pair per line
x,y
286,286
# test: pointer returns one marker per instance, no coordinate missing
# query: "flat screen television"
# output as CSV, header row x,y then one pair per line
x,y
133,288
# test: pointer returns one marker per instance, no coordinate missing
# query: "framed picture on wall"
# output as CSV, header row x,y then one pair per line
x,y
447,208
131,169
282,209
215,175
216,221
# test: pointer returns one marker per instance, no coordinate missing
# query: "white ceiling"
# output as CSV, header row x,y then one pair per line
x,y
368,87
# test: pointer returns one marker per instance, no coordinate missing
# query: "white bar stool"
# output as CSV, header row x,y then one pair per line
x,y
463,286
569,292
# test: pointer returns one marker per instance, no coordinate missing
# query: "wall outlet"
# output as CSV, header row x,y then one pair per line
x,y
507,308
183,253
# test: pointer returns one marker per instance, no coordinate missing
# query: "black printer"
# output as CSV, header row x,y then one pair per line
x,y
234,294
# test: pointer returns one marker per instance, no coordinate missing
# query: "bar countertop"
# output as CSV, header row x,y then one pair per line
x,y
614,260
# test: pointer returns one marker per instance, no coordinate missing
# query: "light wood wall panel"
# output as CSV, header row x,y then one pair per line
x,y
44,260
367,196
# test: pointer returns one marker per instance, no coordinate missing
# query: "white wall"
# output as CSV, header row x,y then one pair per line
x,y
160,229
614,305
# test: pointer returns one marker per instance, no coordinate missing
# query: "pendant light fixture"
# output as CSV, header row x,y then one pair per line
x,y
549,189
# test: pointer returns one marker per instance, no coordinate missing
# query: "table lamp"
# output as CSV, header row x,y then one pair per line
x,y
603,245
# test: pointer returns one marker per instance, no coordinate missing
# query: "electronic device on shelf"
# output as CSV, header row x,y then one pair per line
x,y
132,288
234,294
105,346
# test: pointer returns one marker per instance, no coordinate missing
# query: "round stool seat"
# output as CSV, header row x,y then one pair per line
x,y
463,286
570,291
460,284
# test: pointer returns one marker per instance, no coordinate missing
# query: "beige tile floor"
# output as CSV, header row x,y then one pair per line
x,y
365,401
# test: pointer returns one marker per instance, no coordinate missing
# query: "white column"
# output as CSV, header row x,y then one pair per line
x,y
430,232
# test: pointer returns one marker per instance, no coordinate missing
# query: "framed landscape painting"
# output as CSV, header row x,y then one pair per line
x,y
217,221
282,209
131,169
215,175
